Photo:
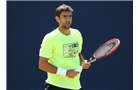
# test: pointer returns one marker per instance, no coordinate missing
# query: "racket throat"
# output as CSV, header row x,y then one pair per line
x,y
92,60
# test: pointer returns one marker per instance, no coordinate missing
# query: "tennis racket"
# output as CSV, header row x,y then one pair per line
x,y
103,51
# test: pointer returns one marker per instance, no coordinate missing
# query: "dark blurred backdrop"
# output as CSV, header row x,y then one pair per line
x,y
98,21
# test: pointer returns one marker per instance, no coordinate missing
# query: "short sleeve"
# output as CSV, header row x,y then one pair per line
x,y
80,43
46,47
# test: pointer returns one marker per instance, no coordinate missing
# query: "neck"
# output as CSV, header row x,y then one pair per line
x,y
64,31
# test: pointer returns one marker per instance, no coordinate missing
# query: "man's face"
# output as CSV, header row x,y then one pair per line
x,y
65,20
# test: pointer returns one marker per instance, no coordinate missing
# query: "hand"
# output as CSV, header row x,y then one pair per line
x,y
71,73
86,64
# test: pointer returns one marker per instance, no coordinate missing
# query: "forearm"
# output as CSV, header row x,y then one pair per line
x,y
44,65
47,67
83,62
81,58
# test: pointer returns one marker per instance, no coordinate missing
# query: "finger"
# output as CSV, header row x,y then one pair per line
x,y
77,72
89,62
86,65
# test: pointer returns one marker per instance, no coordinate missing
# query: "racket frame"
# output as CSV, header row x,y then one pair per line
x,y
111,51
93,59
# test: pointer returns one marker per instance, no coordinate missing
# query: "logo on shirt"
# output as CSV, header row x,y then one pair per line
x,y
70,49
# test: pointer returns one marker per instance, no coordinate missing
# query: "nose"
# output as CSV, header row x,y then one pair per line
x,y
68,19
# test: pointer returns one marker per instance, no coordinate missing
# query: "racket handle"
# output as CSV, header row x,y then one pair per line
x,y
91,61
79,69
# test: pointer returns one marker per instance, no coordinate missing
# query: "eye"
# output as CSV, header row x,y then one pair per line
x,y
65,16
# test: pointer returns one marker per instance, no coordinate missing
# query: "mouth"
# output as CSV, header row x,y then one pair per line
x,y
68,23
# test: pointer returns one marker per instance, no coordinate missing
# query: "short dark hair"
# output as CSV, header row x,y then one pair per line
x,y
62,8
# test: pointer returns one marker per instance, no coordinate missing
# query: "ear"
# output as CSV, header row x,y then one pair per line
x,y
57,18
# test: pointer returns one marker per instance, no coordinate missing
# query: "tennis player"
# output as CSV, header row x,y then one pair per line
x,y
60,53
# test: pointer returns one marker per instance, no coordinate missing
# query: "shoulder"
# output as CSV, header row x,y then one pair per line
x,y
50,35
76,31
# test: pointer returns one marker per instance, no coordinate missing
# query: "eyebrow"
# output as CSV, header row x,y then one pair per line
x,y
67,15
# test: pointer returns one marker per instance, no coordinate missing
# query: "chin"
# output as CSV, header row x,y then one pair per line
x,y
66,27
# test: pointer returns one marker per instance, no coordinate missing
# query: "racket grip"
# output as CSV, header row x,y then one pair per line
x,y
79,69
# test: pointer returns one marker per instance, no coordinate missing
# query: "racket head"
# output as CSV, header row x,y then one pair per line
x,y
106,49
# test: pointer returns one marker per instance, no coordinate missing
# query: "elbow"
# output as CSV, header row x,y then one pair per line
x,y
40,66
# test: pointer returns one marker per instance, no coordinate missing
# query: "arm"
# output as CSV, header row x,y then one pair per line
x,y
44,65
81,58
83,62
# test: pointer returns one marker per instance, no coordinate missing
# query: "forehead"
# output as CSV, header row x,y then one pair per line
x,y
66,13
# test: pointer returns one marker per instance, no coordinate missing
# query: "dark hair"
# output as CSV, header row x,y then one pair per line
x,y
62,8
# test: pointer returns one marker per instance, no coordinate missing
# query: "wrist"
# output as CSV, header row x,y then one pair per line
x,y
61,71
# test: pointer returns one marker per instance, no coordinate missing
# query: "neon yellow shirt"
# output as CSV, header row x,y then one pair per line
x,y
62,51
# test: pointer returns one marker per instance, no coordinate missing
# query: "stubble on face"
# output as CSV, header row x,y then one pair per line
x,y
65,27
65,20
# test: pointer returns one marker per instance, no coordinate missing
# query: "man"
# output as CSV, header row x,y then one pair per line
x,y
60,53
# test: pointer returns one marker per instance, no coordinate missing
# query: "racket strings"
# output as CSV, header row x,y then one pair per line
x,y
102,51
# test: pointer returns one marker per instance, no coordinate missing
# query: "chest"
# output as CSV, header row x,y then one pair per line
x,y
67,46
